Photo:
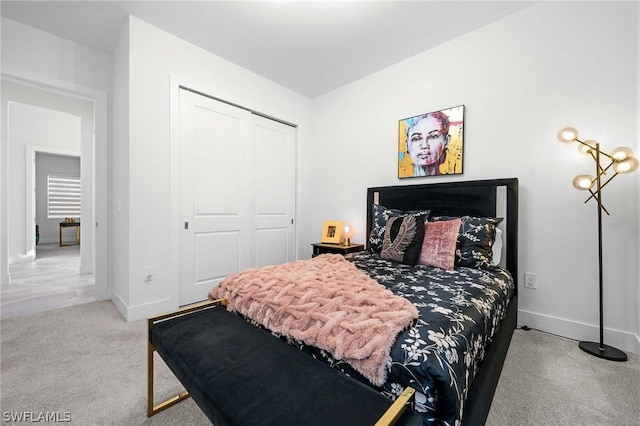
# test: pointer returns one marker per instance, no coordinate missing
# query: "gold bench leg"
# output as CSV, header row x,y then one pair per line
x,y
151,407
394,412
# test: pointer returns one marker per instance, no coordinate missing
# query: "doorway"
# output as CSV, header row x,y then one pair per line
x,y
87,260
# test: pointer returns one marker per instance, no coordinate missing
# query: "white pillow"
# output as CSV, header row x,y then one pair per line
x,y
497,248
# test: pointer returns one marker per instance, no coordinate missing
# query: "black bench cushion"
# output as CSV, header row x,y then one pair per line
x,y
239,374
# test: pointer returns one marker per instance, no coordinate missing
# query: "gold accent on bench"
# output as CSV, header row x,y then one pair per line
x,y
394,412
151,408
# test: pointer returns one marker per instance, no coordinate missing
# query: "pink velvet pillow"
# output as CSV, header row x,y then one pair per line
x,y
439,244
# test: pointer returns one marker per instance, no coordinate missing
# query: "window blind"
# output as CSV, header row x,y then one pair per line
x,y
63,197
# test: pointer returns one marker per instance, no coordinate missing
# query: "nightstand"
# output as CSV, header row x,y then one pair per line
x,y
322,248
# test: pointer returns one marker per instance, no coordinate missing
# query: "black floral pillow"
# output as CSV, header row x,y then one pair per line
x,y
379,216
475,240
402,239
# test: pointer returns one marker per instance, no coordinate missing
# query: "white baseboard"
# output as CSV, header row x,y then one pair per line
x,y
120,305
623,340
22,258
138,312
149,309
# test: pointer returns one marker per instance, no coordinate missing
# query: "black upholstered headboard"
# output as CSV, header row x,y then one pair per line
x,y
481,198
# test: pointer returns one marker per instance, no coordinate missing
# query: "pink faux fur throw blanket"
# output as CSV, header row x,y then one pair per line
x,y
325,302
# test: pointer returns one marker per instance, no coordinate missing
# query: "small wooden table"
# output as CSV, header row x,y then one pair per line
x,y
70,225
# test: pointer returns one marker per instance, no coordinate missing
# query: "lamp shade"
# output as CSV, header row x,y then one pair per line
x,y
627,165
583,182
587,146
567,134
621,153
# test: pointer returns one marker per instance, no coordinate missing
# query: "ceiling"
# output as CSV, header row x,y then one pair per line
x,y
310,47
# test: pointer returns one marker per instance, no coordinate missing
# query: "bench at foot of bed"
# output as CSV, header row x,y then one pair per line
x,y
239,374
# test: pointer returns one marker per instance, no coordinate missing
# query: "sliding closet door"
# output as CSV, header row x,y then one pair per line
x,y
215,188
237,193
275,192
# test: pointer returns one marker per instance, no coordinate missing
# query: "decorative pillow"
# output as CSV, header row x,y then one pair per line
x,y
379,217
439,244
402,238
475,240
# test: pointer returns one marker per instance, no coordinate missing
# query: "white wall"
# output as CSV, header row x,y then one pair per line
x,y
119,180
521,79
31,51
156,59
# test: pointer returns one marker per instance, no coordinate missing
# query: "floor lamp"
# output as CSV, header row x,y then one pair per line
x,y
621,160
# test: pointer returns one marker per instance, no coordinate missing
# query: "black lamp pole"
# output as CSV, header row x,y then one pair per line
x,y
600,349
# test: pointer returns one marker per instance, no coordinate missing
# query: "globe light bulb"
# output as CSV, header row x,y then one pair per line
x,y
567,134
347,239
586,147
621,153
583,182
627,165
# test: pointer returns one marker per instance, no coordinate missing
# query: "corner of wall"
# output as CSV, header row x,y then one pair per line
x,y
142,311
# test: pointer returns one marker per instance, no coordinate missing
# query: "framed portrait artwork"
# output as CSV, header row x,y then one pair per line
x,y
331,232
431,144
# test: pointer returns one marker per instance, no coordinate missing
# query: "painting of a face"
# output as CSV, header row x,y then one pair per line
x,y
426,143
431,144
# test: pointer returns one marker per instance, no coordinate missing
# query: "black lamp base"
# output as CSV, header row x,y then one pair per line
x,y
606,352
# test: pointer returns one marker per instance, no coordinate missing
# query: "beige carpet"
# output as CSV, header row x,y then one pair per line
x,y
548,380
87,363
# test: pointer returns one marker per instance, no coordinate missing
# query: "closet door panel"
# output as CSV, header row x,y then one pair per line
x,y
277,241
215,201
216,159
275,192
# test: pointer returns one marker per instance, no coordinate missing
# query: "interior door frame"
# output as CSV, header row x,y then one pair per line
x,y
99,223
30,186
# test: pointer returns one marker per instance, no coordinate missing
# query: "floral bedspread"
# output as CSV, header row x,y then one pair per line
x,y
440,352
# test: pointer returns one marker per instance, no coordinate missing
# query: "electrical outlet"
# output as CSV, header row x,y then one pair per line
x,y
530,280
148,273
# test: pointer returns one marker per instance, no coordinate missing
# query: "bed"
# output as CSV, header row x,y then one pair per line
x,y
452,352
483,198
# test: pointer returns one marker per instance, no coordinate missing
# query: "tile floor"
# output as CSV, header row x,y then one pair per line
x,y
51,281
